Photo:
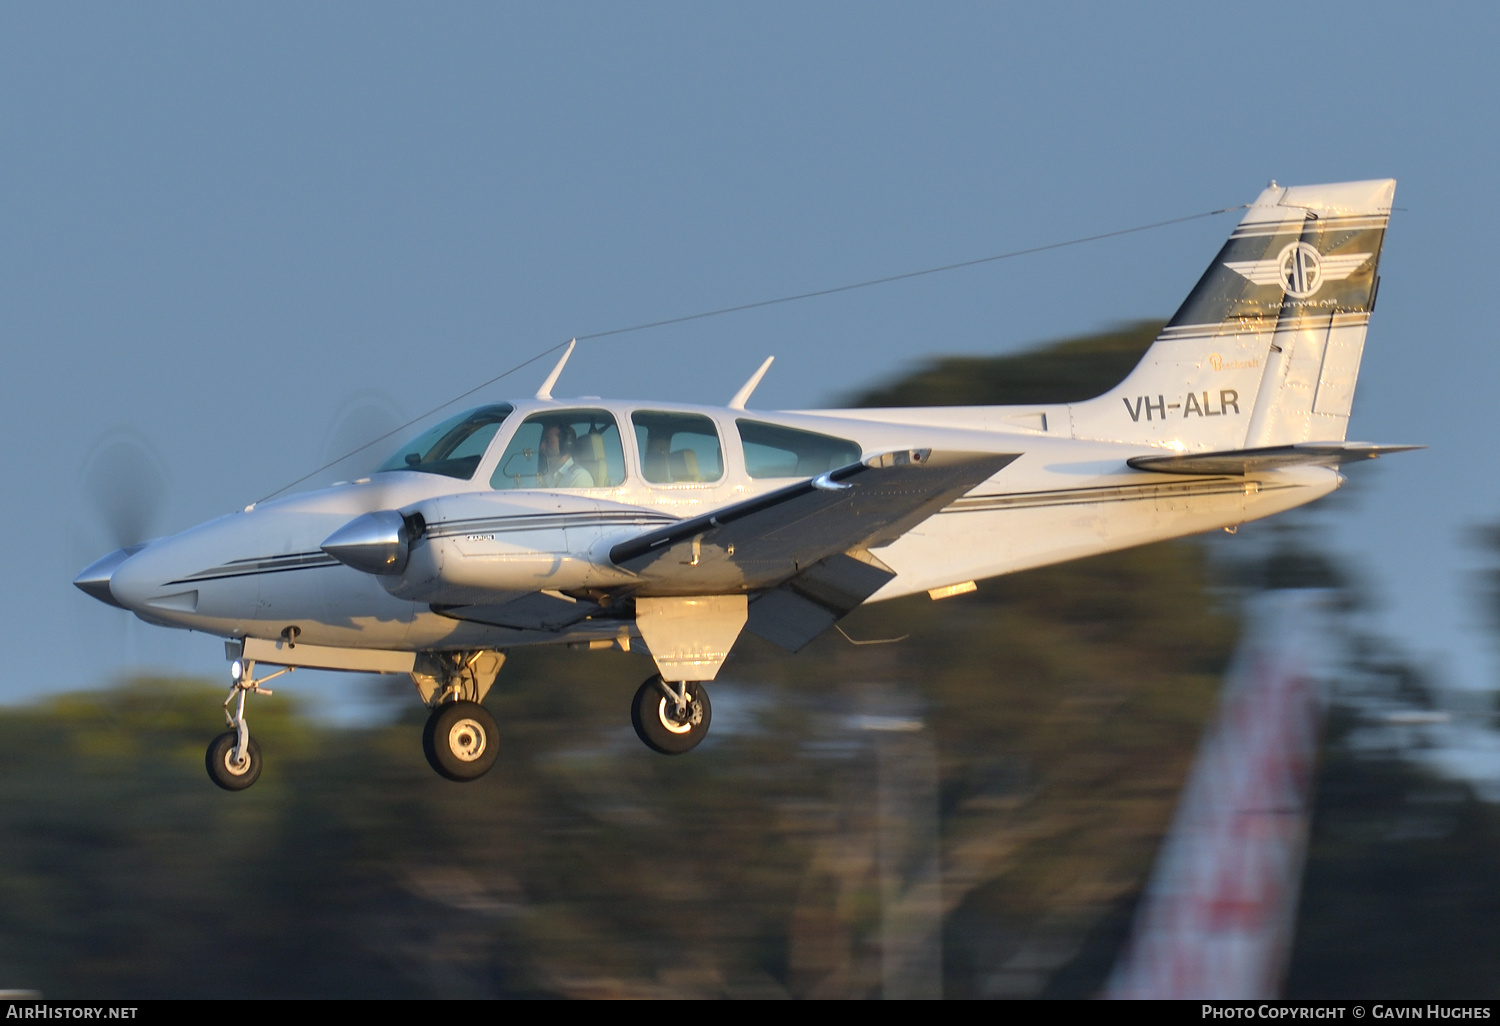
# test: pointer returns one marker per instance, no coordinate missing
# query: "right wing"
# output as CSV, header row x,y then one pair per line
x,y
765,541
805,548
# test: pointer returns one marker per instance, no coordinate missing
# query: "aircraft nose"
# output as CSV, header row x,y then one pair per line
x,y
143,583
95,578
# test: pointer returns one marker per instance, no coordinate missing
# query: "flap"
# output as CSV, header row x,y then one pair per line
x,y
1271,457
814,600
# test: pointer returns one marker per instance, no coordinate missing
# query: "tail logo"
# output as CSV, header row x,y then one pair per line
x,y
1299,269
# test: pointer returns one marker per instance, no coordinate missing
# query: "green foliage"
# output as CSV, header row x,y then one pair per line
x,y
1403,887
585,864
1062,372
1488,540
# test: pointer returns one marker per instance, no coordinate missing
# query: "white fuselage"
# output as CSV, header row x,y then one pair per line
x,y
257,572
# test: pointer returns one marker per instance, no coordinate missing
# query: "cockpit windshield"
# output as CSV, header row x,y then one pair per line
x,y
453,448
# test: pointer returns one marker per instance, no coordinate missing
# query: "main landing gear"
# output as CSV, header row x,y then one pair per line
x,y
233,758
671,718
461,740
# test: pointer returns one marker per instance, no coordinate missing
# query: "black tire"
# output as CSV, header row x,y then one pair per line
x,y
224,772
461,741
654,717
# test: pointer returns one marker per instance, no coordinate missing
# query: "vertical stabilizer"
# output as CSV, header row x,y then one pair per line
x,y
1266,348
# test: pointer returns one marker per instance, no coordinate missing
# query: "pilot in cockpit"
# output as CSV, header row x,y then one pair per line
x,y
558,469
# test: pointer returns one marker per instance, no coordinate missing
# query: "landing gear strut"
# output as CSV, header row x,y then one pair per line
x,y
233,758
671,718
460,739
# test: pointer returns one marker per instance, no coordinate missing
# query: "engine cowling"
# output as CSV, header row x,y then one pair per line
x,y
474,548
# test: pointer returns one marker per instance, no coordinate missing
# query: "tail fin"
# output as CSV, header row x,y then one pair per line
x,y
1266,348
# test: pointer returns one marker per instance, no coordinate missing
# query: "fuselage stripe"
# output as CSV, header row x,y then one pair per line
x,y
1106,494
255,565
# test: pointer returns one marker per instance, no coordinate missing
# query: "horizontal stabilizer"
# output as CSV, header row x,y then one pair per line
x,y
1271,457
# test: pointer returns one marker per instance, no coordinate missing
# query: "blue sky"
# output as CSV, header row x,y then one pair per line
x,y
234,231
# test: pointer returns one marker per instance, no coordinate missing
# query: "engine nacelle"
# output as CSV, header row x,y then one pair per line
x,y
480,547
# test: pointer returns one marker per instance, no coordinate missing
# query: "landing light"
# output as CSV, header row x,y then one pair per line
x,y
237,671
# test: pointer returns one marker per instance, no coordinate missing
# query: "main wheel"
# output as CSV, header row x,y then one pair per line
x,y
461,741
224,771
657,723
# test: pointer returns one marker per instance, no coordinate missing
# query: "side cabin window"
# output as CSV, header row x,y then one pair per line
x,y
775,451
677,448
563,449
453,448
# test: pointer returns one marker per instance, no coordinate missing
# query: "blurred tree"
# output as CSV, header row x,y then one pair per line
x,y
963,812
1488,541
1060,372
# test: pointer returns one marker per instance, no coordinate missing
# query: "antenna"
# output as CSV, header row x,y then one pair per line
x,y
545,392
743,395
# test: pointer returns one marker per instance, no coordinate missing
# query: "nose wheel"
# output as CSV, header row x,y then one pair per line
x,y
461,740
671,718
228,767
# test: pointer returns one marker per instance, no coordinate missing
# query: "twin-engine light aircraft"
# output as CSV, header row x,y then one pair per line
x,y
599,523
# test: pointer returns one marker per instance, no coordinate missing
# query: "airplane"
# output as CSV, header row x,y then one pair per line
x,y
673,528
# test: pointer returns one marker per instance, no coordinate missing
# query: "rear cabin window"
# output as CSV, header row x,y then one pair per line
x,y
678,448
775,451
565,449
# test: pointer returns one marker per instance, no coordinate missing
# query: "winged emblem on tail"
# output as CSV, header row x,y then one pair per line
x,y
1299,268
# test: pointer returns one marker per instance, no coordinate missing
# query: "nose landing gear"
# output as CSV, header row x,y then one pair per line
x,y
233,758
671,718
